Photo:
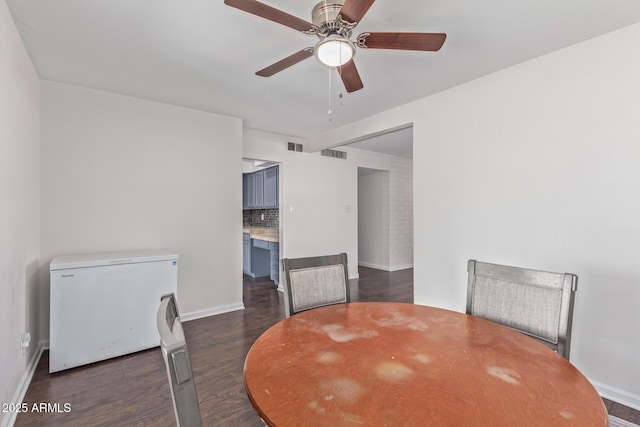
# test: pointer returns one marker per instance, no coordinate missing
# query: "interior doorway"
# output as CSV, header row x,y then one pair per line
x,y
373,218
385,203
261,219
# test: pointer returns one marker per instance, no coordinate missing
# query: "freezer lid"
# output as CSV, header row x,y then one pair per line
x,y
65,262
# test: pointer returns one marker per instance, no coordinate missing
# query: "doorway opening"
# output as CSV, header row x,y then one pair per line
x,y
261,219
385,202
373,218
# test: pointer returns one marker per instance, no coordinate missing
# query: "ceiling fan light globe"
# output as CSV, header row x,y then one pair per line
x,y
334,51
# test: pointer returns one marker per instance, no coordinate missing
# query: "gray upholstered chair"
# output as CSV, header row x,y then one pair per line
x,y
536,303
315,281
176,357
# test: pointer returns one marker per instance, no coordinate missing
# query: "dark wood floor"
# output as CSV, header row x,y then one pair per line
x,y
133,390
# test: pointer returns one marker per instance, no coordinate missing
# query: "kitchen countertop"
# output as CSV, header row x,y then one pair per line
x,y
263,233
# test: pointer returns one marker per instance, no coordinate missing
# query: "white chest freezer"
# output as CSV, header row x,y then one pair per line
x,y
104,305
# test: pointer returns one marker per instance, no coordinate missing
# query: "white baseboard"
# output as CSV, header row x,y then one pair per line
x,y
210,312
620,396
400,267
385,267
23,384
372,265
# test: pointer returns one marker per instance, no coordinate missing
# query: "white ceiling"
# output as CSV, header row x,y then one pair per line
x,y
203,54
397,143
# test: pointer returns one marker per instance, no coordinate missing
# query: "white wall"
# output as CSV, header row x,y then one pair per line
x,y
537,166
544,173
400,214
121,173
19,210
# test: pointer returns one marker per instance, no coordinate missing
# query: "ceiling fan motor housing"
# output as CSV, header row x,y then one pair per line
x,y
326,17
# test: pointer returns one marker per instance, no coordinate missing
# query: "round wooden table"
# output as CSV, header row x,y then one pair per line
x,y
396,364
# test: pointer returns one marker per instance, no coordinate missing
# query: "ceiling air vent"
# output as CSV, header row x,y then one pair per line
x,y
292,146
335,154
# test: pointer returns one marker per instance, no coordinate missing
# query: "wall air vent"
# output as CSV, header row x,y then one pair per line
x,y
292,146
334,153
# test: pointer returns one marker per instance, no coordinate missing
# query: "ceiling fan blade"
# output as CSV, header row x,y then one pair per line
x,y
271,13
286,62
402,41
350,77
354,10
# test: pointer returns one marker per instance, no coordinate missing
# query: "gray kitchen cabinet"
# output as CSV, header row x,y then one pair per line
x,y
251,191
246,253
275,261
260,258
245,191
260,189
271,187
262,244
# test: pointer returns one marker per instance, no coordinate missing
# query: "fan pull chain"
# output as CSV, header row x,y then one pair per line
x,y
330,109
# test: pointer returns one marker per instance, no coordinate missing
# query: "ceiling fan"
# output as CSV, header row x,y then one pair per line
x,y
333,21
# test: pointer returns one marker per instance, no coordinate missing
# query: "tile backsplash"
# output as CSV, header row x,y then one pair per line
x,y
253,218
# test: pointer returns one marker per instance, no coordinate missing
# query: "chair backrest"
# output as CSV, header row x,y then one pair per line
x,y
537,303
315,281
176,358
